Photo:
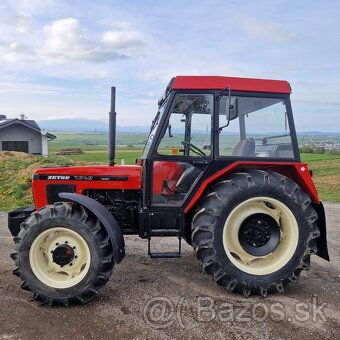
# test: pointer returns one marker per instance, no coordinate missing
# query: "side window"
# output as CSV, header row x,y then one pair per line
x,y
258,128
189,126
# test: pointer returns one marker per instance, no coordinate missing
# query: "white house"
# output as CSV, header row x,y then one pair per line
x,y
23,135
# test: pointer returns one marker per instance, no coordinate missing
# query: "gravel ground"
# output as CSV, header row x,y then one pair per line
x,y
174,298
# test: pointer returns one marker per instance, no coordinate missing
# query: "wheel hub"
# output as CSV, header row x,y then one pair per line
x,y
63,254
259,234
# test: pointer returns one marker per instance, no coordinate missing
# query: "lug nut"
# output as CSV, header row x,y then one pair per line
x,y
57,244
52,251
71,264
74,247
66,242
76,257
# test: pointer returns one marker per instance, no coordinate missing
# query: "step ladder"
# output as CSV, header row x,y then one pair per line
x,y
165,255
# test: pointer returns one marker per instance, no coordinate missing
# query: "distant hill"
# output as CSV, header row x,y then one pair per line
x,y
85,125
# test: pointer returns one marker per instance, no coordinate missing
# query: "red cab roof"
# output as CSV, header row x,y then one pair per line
x,y
236,84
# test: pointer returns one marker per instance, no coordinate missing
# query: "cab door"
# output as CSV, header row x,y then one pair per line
x,y
183,150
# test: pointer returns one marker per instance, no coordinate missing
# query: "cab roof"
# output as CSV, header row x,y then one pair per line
x,y
235,84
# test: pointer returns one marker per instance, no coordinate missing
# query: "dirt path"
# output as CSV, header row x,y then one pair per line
x,y
193,306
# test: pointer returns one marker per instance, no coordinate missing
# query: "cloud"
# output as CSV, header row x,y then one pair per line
x,y
265,30
66,40
12,51
123,40
18,23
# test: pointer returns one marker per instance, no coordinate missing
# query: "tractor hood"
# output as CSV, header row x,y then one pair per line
x,y
77,179
118,173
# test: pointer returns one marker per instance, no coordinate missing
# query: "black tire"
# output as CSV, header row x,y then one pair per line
x,y
74,218
213,211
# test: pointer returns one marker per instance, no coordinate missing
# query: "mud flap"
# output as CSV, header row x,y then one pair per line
x,y
321,241
16,217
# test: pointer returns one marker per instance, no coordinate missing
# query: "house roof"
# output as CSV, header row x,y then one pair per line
x,y
31,124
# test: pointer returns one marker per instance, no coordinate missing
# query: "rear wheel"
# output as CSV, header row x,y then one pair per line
x,y
63,254
255,232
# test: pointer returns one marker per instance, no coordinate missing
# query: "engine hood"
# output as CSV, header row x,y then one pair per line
x,y
128,176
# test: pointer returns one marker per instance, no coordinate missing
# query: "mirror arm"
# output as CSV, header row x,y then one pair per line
x,y
170,134
229,107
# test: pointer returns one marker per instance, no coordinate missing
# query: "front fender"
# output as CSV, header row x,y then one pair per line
x,y
109,222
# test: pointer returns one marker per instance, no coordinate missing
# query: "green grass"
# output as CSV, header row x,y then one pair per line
x,y
16,171
326,174
308,157
99,141
102,157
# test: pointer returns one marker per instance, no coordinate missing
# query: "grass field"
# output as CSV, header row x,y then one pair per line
x,y
92,141
326,174
101,156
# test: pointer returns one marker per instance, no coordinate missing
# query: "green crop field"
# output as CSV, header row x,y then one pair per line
x,y
326,174
95,141
101,157
311,157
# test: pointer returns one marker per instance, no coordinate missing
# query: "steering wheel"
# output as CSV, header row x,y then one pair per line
x,y
194,148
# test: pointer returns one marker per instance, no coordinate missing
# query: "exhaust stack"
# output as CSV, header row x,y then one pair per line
x,y
112,127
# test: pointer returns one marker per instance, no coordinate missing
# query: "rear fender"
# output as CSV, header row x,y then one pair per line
x,y
298,172
109,222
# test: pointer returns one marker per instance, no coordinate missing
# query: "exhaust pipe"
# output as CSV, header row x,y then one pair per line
x,y
112,127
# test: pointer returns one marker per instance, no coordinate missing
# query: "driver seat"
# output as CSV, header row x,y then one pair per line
x,y
244,148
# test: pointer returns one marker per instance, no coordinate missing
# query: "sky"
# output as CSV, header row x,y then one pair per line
x,y
58,59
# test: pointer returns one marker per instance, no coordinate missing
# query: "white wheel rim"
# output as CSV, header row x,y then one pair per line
x,y
49,272
279,257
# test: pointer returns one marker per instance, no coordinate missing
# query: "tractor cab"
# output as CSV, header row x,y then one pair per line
x,y
203,123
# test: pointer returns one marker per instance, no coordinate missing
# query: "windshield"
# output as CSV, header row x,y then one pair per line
x,y
153,129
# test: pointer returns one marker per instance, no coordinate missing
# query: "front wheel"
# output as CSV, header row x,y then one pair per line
x,y
255,232
63,254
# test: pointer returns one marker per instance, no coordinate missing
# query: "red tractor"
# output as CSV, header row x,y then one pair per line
x,y
220,168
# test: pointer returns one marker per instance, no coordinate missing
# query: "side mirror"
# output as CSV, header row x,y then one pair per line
x,y
231,108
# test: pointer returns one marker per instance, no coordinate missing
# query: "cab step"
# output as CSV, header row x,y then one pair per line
x,y
165,232
165,255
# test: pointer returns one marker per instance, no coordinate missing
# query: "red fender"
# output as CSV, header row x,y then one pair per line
x,y
298,172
